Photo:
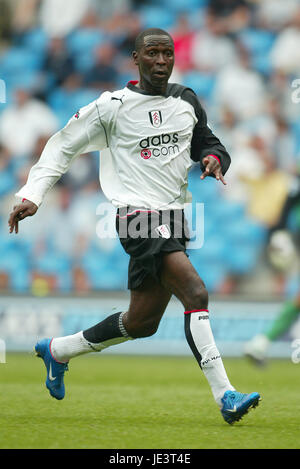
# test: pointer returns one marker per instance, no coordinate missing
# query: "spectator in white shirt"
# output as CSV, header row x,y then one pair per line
x,y
24,122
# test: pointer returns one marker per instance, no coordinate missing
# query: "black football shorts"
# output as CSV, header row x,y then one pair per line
x,y
146,235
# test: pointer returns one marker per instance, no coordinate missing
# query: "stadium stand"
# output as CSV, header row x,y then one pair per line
x,y
234,239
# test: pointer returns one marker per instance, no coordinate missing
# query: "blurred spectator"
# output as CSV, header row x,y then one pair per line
x,y
280,88
82,47
58,63
223,8
183,37
7,177
59,18
24,16
23,167
83,173
107,9
5,20
129,31
285,55
264,184
284,147
276,14
240,88
225,126
230,15
24,122
210,49
67,99
103,75
283,143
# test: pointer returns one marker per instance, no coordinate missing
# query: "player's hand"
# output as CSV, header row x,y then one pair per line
x,y
21,211
212,166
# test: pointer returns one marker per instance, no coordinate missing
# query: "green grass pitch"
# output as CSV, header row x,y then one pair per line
x,y
142,402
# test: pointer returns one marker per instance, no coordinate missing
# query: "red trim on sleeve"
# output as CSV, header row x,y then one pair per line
x,y
133,82
217,158
196,311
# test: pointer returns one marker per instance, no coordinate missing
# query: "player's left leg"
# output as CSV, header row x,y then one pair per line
x,y
147,305
179,276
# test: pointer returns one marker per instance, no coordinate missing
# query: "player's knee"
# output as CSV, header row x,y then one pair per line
x,y
139,329
197,298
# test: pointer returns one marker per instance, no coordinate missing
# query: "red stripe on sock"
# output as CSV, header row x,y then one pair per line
x,y
196,311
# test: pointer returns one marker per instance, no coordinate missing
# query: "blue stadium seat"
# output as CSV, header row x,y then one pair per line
x,y
202,83
84,96
243,239
230,237
101,271
179,6
245,231
213,272
156,17
15,262
202,191
51,262
65,104
36,40
295,130
241,259
213,278
224,214
20,279
124,78
18,60
7,180
57,264
84,40
19,68
262,64
82,44
257,41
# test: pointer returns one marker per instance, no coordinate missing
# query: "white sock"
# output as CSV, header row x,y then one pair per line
x,y
200,338
70,346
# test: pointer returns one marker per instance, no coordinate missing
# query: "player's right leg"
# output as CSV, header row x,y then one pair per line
x,y
147,305
180,277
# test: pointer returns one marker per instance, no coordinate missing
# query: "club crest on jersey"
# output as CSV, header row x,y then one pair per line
x,y
163,231
155,118
77,115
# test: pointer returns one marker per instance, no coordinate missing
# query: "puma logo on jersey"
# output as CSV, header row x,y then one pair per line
x,y
118,99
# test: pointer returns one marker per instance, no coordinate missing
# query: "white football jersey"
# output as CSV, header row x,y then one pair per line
x,y
147,145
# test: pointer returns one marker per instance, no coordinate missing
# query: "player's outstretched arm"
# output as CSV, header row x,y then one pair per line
x,y
83,133
21,211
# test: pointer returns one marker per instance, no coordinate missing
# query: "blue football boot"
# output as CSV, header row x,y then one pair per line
x,y
55,370
237,404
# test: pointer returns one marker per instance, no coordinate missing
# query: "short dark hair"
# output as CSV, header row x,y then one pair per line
x,y
139,42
